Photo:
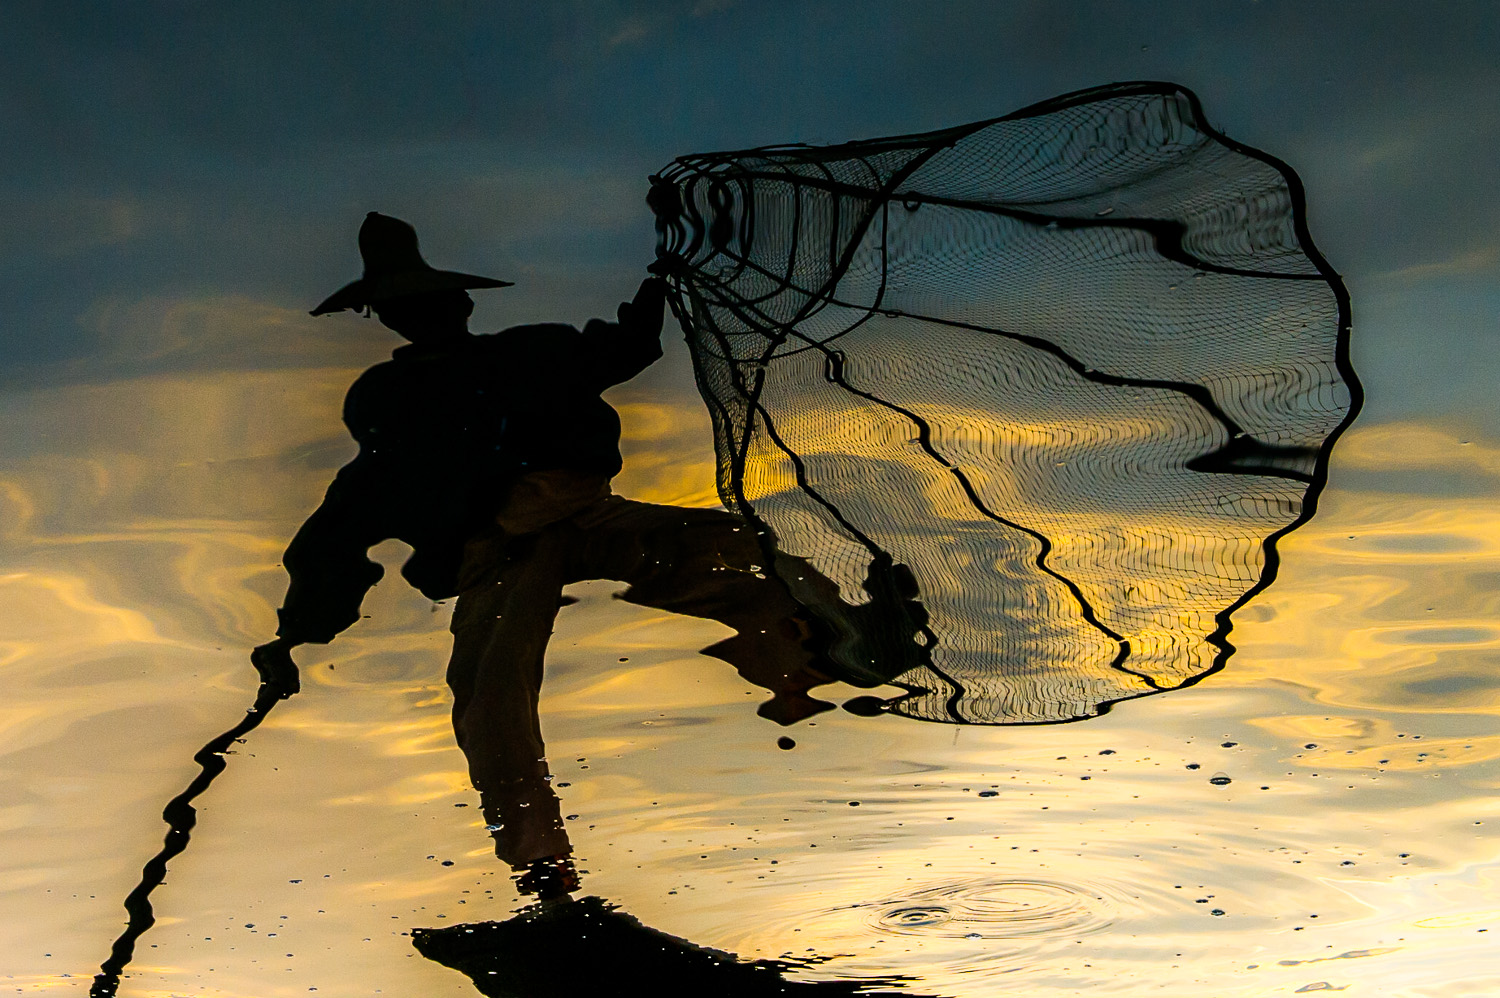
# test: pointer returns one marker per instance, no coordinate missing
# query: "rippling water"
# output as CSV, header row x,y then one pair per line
x,y
1353,845
183,181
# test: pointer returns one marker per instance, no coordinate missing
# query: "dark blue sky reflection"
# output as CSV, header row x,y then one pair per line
x,y
171,152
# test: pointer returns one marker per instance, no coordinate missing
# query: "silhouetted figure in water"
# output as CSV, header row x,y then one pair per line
x,y
492,457
588,947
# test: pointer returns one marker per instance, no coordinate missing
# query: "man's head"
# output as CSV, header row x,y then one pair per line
x,y
394,269
430,317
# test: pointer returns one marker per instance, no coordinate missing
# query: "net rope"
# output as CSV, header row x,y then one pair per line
x,y
1079,368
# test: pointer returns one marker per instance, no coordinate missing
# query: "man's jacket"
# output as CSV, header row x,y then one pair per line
x,y
443,432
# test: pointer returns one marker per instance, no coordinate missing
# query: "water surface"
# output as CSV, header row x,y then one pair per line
x,y
183,182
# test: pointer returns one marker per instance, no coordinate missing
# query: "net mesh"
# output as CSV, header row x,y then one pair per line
x,y
1078,368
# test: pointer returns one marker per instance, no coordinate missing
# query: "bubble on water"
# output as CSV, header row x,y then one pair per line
x,y
994,909
902,919
1220,780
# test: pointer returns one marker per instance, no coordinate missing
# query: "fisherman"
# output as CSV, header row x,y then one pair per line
x,y
491,456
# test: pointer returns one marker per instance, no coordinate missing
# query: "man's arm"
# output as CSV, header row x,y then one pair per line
x,y
617,351
330,569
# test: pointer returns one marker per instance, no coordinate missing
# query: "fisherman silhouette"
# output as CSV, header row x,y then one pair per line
x,y
492,457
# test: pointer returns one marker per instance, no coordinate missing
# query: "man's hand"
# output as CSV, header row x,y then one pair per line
x,y
273,661
646,310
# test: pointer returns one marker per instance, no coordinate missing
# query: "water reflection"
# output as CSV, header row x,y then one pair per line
x,y
1081,367
986,855
368,780
588,947
492,458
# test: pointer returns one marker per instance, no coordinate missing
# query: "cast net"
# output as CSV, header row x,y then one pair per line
x,y
1079,368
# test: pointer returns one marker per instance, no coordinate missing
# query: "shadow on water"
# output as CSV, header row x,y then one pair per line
x,y
590,947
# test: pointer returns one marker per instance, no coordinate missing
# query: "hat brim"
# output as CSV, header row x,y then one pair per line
x,y
370,291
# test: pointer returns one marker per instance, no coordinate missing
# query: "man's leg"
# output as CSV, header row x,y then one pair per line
x,y
501,626
708,563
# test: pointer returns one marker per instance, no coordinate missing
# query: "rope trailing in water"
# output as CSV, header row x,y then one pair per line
x,y
180,816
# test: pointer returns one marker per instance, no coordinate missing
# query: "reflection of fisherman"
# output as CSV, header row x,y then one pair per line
x,y
492,456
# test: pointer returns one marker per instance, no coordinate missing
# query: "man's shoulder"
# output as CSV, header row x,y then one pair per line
x,y
376,375
509,350
539,334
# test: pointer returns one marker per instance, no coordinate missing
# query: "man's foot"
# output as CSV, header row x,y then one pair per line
x,y
549,878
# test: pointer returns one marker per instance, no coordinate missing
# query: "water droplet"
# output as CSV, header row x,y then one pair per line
x,y
785,743
1219,780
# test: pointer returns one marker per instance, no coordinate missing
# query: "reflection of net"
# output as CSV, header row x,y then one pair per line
x,y
1079,367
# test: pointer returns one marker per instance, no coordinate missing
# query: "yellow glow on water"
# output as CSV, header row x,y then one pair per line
x,y
142,546
1466,921
36,604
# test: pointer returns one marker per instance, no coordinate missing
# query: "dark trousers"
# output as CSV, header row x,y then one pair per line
x,y
699,562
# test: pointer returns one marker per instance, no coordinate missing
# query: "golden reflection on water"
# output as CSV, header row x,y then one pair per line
x,y
1353,845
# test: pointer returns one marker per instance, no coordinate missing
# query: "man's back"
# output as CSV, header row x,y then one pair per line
x,y
526,397
446,428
